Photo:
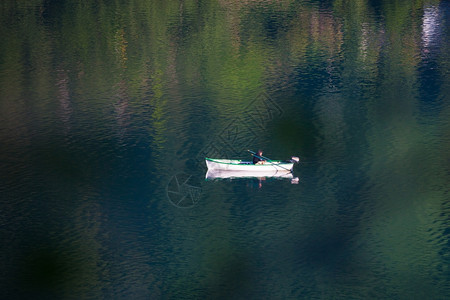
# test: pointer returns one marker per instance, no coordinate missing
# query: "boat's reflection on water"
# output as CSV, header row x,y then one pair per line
x,y
260,176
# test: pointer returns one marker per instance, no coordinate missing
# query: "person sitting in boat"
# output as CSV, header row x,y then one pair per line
x,y
257,159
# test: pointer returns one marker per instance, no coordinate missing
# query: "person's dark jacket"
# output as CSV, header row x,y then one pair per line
x,y
256,159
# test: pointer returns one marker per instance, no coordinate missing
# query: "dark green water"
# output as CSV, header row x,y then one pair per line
x,y
106,105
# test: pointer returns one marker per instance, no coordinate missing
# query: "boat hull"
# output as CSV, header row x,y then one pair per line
x,y
222,174
246,166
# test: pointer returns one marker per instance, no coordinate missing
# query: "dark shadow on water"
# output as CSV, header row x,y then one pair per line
x,y
41,270
330,251
232,279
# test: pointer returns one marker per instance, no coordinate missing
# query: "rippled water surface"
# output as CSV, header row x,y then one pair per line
x,y
108,109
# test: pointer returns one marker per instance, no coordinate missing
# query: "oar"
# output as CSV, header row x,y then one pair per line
x,y
268,159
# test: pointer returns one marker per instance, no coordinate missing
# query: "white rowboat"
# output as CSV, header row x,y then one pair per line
x,y
239,165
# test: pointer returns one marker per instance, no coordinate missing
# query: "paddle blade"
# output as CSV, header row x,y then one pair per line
x,y
295,159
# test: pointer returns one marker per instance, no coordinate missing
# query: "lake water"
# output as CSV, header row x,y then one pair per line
x,y
108,109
